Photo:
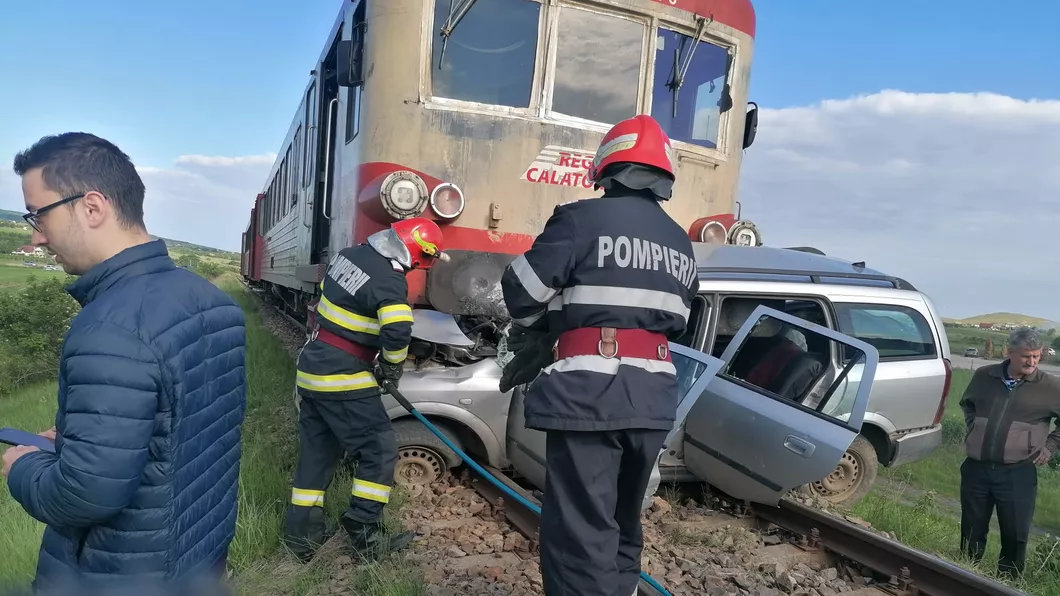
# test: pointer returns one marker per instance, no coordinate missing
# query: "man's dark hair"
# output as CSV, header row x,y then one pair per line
x,y
77,162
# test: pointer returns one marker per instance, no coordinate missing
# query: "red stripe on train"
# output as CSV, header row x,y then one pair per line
x,y
738,14
457,237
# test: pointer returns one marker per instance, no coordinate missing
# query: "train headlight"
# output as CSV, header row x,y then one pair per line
x,y
745,233
403,194
713,233
447,200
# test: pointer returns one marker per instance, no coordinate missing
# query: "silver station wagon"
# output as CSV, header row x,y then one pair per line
x,y
867,385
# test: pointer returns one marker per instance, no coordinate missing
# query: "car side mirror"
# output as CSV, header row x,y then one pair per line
x,y
750,127
349,63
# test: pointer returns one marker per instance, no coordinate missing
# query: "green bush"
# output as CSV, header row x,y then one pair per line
x,y
33,322
196,265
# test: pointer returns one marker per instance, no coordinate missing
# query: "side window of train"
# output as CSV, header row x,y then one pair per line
x,y
489,56
353,94
697,322
734,310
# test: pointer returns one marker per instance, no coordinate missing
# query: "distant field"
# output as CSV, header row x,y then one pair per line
x,y
1002,318
14,274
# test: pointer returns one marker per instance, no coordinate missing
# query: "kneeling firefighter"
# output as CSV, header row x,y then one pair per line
x,y
363,312
608,281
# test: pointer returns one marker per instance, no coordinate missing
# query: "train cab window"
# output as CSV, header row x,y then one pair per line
x,y
490,55
689,112
598,63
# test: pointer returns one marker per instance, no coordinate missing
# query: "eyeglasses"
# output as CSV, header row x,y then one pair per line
x,y
32,218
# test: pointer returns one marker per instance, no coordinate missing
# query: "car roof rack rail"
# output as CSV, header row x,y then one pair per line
x,y
814,276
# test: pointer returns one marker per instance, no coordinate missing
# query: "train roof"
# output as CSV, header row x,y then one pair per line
x,y
738,14
746,262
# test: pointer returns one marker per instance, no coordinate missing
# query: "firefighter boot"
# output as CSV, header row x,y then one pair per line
x,y
370,541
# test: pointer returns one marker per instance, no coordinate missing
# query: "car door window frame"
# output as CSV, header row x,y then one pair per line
x,y
704,324
712,366
871,363
717,300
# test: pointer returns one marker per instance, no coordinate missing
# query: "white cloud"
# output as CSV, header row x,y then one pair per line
x,y
205,200
957,193
201,199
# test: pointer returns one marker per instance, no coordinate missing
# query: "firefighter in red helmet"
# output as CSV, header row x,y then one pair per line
x,y
363,317
594,302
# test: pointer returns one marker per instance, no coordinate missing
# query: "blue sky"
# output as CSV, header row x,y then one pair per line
x,y
221,79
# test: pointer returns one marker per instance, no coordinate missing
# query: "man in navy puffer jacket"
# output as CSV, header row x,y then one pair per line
x,y
141,491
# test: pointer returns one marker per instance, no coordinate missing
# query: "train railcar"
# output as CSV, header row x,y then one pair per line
x,y
253,244
483,115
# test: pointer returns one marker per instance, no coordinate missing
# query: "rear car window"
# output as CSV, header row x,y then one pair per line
x,y
895,331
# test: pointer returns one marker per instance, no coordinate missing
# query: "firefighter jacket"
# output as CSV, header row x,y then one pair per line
x,y
364,302
619,262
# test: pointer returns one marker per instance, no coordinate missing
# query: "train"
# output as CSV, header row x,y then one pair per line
x,y
483,115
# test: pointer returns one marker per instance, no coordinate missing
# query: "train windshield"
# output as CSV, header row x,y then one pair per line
x,y
691,111
489,56
486,51
598,61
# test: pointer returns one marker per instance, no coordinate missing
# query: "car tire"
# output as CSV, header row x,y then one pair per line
x,y
852,478
423,457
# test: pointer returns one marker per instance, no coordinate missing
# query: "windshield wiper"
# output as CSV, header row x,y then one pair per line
x,y
680,70
456,14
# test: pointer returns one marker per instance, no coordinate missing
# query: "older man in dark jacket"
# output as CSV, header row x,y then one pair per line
x,y
1008,409
141,490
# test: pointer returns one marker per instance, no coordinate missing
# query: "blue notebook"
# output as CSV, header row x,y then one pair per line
x,y
14,436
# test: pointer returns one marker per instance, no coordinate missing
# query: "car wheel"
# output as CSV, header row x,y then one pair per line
x,y
852,478
422,457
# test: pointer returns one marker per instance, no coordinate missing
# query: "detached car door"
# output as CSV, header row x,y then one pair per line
x,y
779,413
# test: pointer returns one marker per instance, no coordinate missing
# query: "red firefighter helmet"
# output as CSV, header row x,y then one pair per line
x,y
416,243
639,140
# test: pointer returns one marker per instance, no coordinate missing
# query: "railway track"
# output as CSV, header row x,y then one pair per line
x,y
883,566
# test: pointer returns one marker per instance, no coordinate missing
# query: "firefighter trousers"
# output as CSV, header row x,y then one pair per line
x,y
326,428
590,533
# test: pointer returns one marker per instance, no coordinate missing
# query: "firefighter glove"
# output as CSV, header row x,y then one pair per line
x,y
534,352
389,371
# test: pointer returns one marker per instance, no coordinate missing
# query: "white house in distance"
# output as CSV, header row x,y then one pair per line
x,y
30,251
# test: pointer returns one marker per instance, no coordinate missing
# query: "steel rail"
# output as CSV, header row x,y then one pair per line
x,y
912,572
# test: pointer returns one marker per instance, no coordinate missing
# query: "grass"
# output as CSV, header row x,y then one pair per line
x,y
257,560
14,274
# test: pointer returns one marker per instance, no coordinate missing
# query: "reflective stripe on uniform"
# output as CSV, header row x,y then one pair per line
x,y
331,383
346,319
530,320
395,313
307,498
615,296
530,281
609,366
395,356
371,491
